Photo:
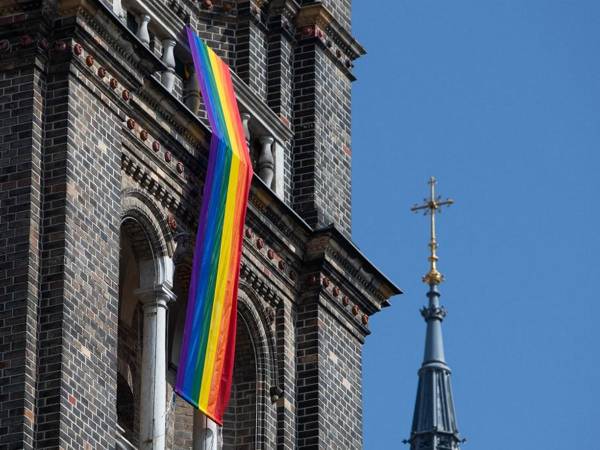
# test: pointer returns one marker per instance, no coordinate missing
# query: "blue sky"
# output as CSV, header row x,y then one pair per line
x,y
500,100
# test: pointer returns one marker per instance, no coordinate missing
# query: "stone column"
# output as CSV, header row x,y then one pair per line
x,y
266,163
206,433
279,156
191,91
154,367
119,11
142,31
168,57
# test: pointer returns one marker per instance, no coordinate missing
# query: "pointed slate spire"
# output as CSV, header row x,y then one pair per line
x,y
434,421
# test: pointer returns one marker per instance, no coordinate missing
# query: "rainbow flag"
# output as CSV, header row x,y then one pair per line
x,y
208,348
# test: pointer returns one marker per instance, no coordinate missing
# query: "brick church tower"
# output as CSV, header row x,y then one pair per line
x,y
103,151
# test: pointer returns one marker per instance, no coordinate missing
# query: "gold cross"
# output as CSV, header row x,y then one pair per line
x,y
431,207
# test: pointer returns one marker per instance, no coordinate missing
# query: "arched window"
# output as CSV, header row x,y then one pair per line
x,y
240,424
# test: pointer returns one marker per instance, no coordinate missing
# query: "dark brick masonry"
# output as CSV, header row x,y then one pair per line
x,y
101,170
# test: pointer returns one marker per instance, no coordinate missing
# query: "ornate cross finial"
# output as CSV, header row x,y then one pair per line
x,y
431,207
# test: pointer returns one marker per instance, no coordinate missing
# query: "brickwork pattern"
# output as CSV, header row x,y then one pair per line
x,y
286,404
251,50
79,302
279,68
322,125
21,130
279,87
340,382
240,417
340,9
76,152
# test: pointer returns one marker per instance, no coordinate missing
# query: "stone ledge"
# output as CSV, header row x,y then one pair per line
x,y
318,15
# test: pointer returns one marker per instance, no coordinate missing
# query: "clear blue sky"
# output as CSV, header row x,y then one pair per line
x,y
500,100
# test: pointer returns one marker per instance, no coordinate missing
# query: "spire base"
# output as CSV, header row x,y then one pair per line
x,y
433,277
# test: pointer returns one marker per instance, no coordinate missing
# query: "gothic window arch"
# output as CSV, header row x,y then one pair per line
x,y
250,413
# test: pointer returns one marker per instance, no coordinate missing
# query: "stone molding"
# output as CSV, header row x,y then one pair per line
x,y
317,14
137,204
259,284
114,33
338,258
146,180
158,296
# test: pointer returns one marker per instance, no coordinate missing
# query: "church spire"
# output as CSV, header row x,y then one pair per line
x,y
434,422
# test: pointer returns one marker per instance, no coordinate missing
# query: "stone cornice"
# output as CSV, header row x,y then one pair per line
x,y
286,8
325,251
331,252
160,189
317,15
17,7
282,15
103,21
259,285
287,223
147,181
158,103
174,113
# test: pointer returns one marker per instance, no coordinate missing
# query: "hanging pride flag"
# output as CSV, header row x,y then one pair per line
x,y
207,352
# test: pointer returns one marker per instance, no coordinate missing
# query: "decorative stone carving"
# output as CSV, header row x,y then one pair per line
x,y
172,222
266,163
270,315
119,11
168,57
258,283
142,31
433,312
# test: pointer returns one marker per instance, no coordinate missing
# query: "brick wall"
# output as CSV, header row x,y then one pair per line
x,y
329,358
251,49
322,125
340,9
21,131
69,159
239,430
340,383
79,301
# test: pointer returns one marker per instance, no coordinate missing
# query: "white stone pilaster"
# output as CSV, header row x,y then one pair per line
x,y
154,366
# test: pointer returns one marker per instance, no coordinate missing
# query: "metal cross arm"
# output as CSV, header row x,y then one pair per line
x,y
432,206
